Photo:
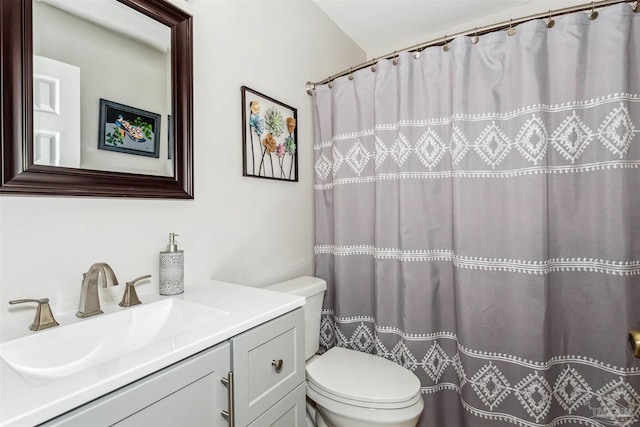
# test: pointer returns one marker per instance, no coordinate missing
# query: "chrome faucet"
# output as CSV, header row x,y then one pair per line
x,y
89,301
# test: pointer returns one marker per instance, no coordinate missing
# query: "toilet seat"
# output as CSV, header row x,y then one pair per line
x,y
359,379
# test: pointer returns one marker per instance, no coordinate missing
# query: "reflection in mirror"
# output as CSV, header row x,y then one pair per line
x,y
101,87
130,124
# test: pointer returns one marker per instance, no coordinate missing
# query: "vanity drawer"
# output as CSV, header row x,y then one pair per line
x,y
268,364
289,412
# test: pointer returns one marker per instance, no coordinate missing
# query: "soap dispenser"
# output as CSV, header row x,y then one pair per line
x,y
171,268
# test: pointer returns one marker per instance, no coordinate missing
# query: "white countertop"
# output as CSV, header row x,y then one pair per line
x,y
23,403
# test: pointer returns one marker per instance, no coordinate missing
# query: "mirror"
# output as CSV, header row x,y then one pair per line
x,y
133,140
101,101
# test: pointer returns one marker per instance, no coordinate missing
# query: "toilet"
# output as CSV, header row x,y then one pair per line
x,y
348,388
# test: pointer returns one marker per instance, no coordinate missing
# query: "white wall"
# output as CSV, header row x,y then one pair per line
x,y
245,230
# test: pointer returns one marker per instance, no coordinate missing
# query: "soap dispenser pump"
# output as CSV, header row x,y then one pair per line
x,y
172,268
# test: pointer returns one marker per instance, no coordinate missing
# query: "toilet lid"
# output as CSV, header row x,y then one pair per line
x,y
362,377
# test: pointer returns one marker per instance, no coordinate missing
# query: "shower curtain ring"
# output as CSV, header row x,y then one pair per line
x,y
416,53
446,45
594,14
395,58
475,39
550,22
636,8
350,74
330,82
511,31
373,65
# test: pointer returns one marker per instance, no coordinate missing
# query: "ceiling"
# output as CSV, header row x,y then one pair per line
x,y
380,27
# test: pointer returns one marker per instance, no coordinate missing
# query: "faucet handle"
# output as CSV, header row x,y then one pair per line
x,y
44,317
130,296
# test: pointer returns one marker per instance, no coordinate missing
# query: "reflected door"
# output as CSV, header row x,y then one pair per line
x,y
56,118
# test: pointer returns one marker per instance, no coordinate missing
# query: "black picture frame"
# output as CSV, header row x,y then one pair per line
x,y
129,130
269,137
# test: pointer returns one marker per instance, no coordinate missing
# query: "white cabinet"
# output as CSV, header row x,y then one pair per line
x,y
268,386
188,393
268,366
288,412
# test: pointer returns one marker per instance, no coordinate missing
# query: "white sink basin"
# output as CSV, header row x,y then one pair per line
x,y
66,350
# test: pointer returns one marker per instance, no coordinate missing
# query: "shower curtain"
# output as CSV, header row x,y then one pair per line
x,y
478,221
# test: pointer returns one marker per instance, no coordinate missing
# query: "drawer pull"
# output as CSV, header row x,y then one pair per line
x,y
230,414
277,364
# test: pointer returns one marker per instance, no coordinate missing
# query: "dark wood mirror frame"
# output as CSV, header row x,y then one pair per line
x,y
19,174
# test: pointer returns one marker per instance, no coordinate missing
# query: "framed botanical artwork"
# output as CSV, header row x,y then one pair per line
x,y
269,137
128,130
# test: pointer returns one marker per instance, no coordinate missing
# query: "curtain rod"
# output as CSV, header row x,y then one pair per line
x,y
475,32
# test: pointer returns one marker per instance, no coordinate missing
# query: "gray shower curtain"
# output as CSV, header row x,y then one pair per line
x,y
478,221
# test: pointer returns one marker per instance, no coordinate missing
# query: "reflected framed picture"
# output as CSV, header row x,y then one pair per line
x,y
269,137
128,130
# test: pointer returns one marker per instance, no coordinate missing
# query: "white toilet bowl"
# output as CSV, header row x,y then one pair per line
x,y
354,389
351,388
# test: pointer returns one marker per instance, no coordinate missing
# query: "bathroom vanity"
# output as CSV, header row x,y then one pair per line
x,y
245,367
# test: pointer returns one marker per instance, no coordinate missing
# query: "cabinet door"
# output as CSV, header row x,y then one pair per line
x,y
188,393
189,406
268,363
289,412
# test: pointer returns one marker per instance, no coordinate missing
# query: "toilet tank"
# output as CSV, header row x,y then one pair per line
x,y
312,289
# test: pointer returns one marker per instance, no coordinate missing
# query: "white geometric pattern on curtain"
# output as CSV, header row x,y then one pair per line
x,y
478,221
